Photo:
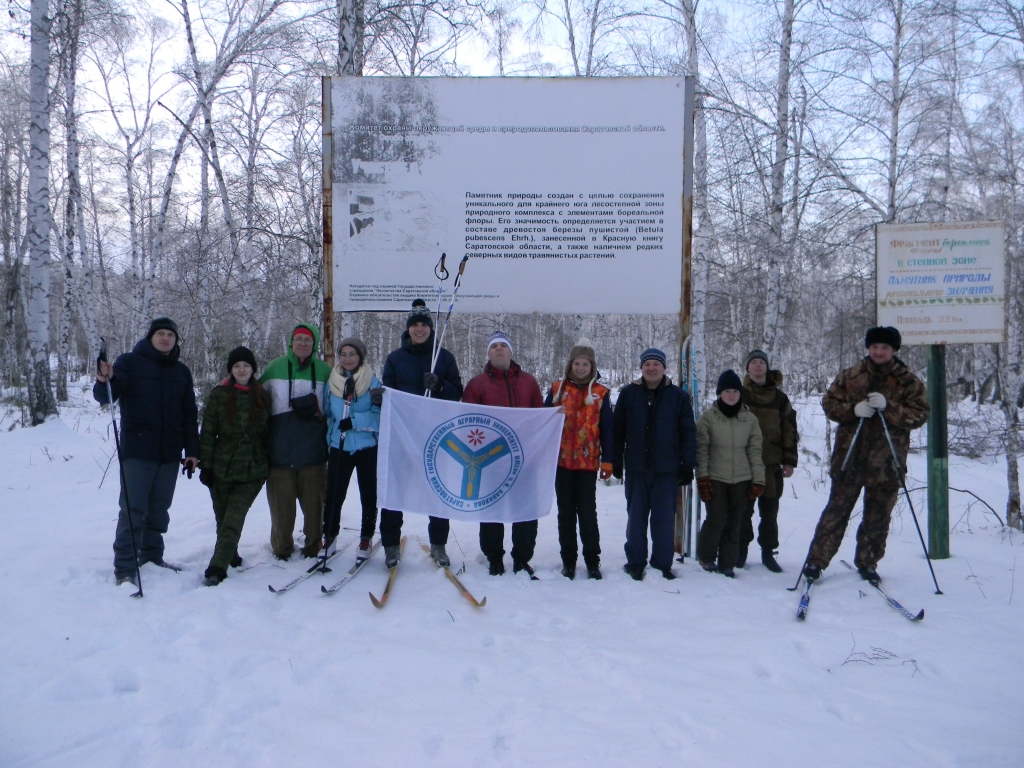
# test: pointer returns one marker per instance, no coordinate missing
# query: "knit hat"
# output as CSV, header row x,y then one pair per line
x,y
757,354
241,355
356,344
584,348
303,331
653,354
728,380
163,324
419,314
499,337
883,335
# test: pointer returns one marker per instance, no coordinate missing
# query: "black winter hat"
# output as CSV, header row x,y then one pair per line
x,y
883,335
729,380
241,355
757,354
419,314
162,324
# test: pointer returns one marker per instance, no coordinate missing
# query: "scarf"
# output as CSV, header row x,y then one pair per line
x,y
362,377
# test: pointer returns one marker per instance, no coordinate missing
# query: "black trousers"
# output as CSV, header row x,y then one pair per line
x,y
524,540
391,528
719,534
340,465
767,527
576,493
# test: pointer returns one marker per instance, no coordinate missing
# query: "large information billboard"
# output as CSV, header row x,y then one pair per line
x,y
942,283
565,193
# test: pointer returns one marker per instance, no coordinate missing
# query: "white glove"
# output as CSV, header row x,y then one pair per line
x,y
877,401
863,410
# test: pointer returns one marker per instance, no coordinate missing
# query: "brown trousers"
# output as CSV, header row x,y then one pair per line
x,y
284,486
872,533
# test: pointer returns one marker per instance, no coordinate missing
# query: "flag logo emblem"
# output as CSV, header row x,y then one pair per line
x,y
472,461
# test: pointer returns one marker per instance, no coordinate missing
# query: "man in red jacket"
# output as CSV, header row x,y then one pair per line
x,y
505,384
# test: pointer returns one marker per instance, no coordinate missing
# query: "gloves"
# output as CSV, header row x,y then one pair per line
x,y
377,396
431,381
863,410
206,477
756,489
877,401
685,474
345,425
606,471
705,490
617,472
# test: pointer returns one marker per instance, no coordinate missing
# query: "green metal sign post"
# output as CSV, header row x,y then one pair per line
x,y
938,456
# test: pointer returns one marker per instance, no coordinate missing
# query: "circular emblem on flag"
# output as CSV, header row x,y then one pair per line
x,y
472,461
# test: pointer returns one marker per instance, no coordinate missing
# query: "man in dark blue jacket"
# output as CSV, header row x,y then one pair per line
x,y
408,369
656,444
159,420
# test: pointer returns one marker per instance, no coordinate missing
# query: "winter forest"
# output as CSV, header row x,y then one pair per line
x,y
164,159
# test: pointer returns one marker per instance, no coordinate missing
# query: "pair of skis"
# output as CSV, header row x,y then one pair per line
x,y
380,603
805,600
319,566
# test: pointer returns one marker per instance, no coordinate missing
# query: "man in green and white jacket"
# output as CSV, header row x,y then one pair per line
x,y
298,442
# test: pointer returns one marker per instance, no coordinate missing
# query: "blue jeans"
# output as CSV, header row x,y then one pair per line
x,y
650,496
150,487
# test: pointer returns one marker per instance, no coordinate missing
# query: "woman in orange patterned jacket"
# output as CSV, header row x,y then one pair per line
x,y
586,440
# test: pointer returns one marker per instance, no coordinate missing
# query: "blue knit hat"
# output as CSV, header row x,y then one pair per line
x,y
653,354
499,337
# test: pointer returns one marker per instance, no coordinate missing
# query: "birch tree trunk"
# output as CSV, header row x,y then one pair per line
x,y
40,395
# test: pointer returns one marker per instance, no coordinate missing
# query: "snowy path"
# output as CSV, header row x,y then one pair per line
x,y
702,671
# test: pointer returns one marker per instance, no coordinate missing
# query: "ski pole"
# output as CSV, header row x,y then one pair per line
x,y
903,483
120,463
448,317
441,273
842,469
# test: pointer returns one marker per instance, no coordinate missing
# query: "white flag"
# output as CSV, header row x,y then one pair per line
x,y
467,462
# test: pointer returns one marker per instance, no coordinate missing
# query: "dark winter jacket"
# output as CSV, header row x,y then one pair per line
x,y
297,438
906,410
404,369
234,449
654,429
514,388
159,417
777,420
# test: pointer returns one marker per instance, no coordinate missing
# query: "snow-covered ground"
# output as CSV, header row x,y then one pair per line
x,y
701,671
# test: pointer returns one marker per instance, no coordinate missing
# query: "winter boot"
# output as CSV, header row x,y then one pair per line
x,y
497,566
126,578
869,575
159,561
440,556
768,559
636,572
392,555
569,570
328,548
708,566
214,576
518,565
812,573
236,560
741,556
668,573
727,572
363,551
594,571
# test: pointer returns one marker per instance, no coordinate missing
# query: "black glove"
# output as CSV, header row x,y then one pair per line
x,y
345,425
431,381
206,477
377,396
685,474
617,471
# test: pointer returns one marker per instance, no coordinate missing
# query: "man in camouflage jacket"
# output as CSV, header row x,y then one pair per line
x,y
878,387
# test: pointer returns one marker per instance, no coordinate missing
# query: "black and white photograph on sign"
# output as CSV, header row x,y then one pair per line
x,y
543,182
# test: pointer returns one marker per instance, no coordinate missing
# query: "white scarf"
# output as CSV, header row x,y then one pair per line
x,y
363,378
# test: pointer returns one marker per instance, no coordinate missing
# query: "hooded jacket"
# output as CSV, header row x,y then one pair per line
x,y
365,419
297,439
777,419
654,429
514,388
159,416
729,448
404,369
588,429
906,410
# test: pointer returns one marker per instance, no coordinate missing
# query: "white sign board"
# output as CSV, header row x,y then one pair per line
x,y
565,193
942,283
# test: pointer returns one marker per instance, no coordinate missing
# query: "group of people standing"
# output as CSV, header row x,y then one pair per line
x,y
303,428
